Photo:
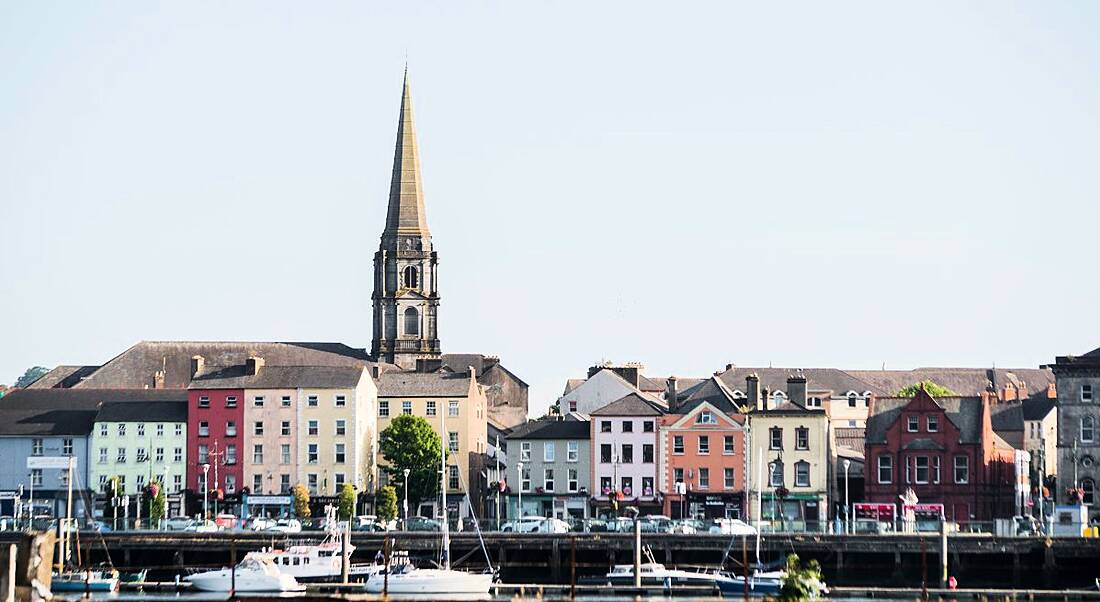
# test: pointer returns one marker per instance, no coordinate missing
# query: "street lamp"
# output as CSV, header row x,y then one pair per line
x,y
205,492
405,503
519,500
847,516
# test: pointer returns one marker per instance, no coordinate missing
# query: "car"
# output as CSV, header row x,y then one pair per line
x,y
207,526
285,525
178,523
526,524
259,523
686,527
419,523
730,526
655,523
620,525
226,521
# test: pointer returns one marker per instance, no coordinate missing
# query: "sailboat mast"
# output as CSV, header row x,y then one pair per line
x,y
446,548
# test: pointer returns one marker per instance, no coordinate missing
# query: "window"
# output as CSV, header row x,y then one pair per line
x,y
605,485
341,427
1088,486
727,444
103,455
230,454
177,454
572,405
933,423
257,454
103,429
452,441
548,451
647,426
705,417
284,453
140,482
572,480
66,447
727,478
525,451
626,485
341,401
36,477
923,465
204,454
704,445
1086,393
311,401
338,480
813,402
313,428
647,485
383,408
160,430
548,480
775,441
231,428
913,424
802,474
525,479
285,401
120,456
677,444
704,478
158,455
605,426
179,430
311,453
204,429
177,483
141,457
627,456
677,475
935,469
204,402
284,483
122,429
647,453
63,478
257,483
572,451
412,321
230,483
452,408
628,426
311,483
429,407
962,469
1088,429
258,401
258,428
411,279
230,402
605,453
284,428
802,438
339,453
406,407
776,473
852,400
121,484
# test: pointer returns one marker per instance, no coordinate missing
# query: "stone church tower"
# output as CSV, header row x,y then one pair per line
x,y
406,292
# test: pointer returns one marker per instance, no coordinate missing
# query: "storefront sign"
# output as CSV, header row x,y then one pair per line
x,y
880,512
61,462
270,500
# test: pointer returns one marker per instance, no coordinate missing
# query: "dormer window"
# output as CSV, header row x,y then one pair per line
x,y
813,402
853,399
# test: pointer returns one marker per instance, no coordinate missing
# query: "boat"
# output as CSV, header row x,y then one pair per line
x,y
68,578
318,562
654,574
254,573
442,581
761,583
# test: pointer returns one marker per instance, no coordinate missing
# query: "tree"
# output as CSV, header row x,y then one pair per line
x,y
800,583
158,502
301,501
929,387
385,504
346,505
410,443
31,375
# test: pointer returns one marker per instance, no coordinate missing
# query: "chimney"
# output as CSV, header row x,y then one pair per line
x,y
671,392
375,372
1052,391
752,392
489,361
253,365
158,379
197,365
796,388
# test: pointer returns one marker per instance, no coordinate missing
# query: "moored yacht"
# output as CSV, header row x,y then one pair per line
x,y
255,573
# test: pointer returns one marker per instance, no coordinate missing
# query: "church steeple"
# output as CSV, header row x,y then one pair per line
x,y
406,298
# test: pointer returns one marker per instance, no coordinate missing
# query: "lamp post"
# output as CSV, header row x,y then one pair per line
x,y
519,500
405,502
847,516
205,492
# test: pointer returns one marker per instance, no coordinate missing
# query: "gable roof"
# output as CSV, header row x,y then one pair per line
x,y
29,412
964,412
712,391
1037,407
632,404
969,382
63,377
280,377
838,382
398,383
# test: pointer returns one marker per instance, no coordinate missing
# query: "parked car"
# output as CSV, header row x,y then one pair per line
x,y
207,526
730,526
688,526
285,525
536,524
655,523
259,523
226,521
419,523
178,523
620,525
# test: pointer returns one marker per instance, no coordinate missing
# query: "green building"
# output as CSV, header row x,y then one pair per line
x,y
139,442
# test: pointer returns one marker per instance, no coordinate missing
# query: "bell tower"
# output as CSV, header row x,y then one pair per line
x,y
406,293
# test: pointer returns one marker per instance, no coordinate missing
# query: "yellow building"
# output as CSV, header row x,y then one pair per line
x,y
337,431
460,401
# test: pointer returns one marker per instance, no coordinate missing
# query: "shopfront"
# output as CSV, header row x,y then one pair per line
x,y
271,506
799,511
712,505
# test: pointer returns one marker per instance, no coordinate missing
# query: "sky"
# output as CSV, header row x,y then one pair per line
x,y
685,185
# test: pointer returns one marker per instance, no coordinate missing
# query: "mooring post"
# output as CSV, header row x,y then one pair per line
x,y
344,556
943,553
572,567
637,552
555,561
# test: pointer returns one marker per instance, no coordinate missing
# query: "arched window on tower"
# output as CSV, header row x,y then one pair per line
x,y
412,277
412,321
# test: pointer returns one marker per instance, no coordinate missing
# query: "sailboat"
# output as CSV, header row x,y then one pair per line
x,y
71,579
444,582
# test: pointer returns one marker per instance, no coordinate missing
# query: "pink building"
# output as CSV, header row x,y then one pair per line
x,y
624,455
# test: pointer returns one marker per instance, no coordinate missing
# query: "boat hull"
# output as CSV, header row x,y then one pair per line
x,y
78,583
246,581
432,582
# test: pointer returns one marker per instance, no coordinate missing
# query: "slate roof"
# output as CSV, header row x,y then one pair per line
x,y
712,391
633,404
29,412
963,381
423,384
964,412
1037,407
922,444
462,362
63,377
851,438
135,367
836,381
150,411
280,377
555,429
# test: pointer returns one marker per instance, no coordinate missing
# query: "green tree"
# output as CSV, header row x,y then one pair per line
x,y
158,502
385,503
410,443
800,583
346,505
929,386
301,501
31,375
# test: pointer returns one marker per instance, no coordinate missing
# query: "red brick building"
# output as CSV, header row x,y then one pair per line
x,y
945,450
215,423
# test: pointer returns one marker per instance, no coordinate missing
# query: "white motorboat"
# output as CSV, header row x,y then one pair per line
x,y
255,573
317,562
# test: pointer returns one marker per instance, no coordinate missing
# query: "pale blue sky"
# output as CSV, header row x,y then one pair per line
x,y
681,184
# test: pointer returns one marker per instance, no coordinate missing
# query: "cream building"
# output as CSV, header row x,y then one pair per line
x,y
456,398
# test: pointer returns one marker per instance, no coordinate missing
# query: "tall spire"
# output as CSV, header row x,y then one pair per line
x,y
406,207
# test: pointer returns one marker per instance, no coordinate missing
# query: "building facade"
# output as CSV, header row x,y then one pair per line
x,y
139,442
550,474
1078,390
624,455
